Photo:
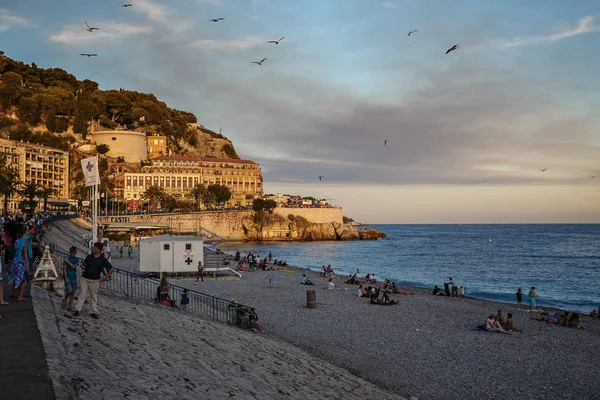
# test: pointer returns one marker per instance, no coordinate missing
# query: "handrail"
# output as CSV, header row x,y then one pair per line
x,y
139,286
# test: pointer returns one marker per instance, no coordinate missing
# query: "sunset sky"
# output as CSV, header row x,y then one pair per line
x,y
467,132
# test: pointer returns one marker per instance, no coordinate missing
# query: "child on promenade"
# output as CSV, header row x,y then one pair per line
x,y
185,300
70,265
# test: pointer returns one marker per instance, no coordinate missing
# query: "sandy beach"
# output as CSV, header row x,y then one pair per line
x,y
424,346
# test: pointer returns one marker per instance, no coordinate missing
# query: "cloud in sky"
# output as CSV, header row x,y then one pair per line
x,y
209,45
153,11
8,20
109,31
389,4
586,25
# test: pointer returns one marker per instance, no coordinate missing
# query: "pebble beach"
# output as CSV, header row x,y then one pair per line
x,y
423,347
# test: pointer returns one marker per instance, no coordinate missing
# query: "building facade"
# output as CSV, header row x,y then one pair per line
x,y
157,146
178,175
45,166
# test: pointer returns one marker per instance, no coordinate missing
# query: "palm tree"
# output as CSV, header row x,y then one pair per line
x,y
45,193
154,194
31,191
9,180
199,193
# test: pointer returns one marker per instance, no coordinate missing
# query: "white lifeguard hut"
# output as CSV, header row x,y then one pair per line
x,y
171,254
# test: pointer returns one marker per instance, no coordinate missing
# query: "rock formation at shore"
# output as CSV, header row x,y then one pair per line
x,y
275,227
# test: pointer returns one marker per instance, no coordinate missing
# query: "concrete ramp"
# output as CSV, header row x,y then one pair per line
x,y
214,271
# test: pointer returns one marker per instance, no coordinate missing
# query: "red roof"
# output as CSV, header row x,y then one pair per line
x,y
227,160
177,158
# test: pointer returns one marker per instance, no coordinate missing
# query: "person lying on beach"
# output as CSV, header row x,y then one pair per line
x,y
384,301
393,289
491,325
568,319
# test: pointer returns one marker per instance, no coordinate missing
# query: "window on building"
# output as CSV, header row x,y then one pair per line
x,y
166,246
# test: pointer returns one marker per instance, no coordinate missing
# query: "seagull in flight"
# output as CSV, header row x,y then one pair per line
x,y
593,177
276,41
89,28
456,46
127,5
88,55
217,19
259,62
385,142
543,170
321,177
413,31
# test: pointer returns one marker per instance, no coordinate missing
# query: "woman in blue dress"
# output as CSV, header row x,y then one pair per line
x,y
19,269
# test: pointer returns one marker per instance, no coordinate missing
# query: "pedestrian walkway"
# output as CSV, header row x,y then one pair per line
x,y
23,369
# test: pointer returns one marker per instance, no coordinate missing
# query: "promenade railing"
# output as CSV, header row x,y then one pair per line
x,y
133,285
139,286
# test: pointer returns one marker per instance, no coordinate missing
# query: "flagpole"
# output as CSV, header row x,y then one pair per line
x,y
95,220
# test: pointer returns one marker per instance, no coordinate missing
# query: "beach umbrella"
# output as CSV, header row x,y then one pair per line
x,y
274,275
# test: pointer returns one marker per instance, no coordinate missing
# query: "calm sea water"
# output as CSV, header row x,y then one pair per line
x,y
561,260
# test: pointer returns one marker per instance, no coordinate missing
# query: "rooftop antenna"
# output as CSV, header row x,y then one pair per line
x,y
220,130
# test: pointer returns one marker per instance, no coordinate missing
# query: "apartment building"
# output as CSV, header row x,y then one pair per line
x,y
45,166
178,175
157,146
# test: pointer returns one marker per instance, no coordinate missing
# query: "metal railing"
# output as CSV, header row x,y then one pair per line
x,y
139,286
142,287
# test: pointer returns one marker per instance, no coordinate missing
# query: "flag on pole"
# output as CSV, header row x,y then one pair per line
x,y
90,171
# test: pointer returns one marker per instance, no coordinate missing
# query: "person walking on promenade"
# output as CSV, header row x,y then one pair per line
x,y
2,251
19,269
93,265
532,297
519,296
70,265
129,251
200,274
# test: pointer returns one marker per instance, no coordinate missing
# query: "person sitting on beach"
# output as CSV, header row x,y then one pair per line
x,y
385,300
500,318
509,325
395,290
329,270
352,280
331,285
308,281
437,291
361,292
304,280
491,325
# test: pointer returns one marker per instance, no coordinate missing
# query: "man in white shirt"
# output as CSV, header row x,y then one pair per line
x,y
106,251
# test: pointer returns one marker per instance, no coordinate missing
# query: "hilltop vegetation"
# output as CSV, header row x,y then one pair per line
x,y
36,101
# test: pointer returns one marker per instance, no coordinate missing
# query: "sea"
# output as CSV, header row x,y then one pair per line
x,y
491,261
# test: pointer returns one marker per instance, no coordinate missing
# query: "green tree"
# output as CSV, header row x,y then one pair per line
x,y
260,205
51,122
10,88
29,110
62,124
9,180
45,193
31,191
229,150
102,149
221,194
154,194
199,193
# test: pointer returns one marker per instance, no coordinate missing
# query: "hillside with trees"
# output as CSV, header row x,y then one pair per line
x,y
47,105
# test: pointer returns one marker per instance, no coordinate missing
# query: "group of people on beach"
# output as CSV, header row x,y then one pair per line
x,y
497,323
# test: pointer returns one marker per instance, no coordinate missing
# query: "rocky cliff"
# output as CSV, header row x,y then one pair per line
x,y
271,227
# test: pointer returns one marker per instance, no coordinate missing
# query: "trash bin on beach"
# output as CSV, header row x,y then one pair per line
x,y
311,299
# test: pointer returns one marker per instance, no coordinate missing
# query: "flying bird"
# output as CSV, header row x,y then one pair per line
x,y
456,46
89,28
275,41
217,19
88,55
385,142
593,177
321,177
259,62
543,170
127,5
413,31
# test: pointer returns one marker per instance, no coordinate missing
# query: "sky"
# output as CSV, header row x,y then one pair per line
x,y
467,132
